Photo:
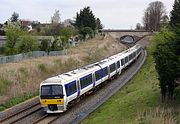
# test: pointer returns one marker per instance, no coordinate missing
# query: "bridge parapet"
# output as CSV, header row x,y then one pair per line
x,y
117,34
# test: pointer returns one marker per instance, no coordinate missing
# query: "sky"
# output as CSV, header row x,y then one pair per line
x,y
114,14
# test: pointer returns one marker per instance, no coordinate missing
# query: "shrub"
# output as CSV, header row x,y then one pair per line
x,y
87,31
26,44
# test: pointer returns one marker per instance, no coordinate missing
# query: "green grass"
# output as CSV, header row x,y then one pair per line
x,y
128,104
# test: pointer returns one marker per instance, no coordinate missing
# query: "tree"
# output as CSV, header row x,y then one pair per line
x,y
138,26
14,17
166,62
45,46
54,28
26,44
86,31
12,33
56,44
166,69
167,54
85,19
55,19
175,13
66,34
99,26
155,16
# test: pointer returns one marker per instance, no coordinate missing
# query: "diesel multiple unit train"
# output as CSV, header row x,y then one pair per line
x,y
59,92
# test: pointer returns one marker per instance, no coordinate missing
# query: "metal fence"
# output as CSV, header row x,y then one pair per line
x,y
34,54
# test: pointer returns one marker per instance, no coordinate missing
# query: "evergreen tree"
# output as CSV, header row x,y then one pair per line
x,y
85,19
175,13
166,66
14,17
167,60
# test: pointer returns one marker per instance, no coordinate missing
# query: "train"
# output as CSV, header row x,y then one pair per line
x,y
60,92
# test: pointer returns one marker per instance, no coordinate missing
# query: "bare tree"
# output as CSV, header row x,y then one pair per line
x,y
155,16
55,19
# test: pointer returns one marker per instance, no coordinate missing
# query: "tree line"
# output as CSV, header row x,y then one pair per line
x,y
20,40
167,54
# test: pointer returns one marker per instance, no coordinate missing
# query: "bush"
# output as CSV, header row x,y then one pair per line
x,y
44,46
86,31
26,44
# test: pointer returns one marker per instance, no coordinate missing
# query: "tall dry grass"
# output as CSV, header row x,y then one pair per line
x,y
160,115
24,77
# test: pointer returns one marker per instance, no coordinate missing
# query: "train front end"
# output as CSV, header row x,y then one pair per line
x,y
52,98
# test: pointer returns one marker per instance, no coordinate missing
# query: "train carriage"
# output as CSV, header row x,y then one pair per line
x,y
59,92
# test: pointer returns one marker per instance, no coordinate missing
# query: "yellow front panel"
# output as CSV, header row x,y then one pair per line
x,y
52,101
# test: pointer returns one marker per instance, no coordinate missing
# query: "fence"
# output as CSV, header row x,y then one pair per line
x,y
34,54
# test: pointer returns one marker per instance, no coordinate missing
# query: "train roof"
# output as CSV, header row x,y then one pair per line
x,y
71,75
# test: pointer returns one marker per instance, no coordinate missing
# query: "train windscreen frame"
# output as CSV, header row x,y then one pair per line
x,y
51,91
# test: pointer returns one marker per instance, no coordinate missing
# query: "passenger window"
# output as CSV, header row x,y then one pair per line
x,y
98,74
84,81
71,88
118,64
126,59
122,62
112,67
105,71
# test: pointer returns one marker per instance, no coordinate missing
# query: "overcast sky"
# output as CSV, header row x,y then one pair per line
x,y
114,14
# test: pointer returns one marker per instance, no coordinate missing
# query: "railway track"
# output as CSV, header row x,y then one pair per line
x,y
17,116
46,119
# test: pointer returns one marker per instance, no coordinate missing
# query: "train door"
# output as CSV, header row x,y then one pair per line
x,y
94,80
78,88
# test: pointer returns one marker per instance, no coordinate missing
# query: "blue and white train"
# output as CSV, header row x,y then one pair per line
x,y
59,92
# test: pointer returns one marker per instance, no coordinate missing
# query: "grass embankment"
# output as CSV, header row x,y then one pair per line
x,y
20,81
138,102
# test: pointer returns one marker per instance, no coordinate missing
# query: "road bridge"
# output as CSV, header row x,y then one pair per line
x,y
127,34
